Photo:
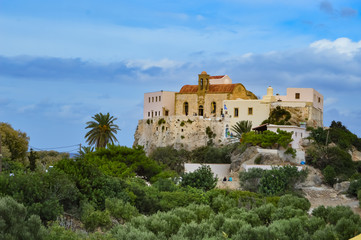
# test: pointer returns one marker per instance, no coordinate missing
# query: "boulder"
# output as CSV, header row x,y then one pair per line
x,y
239,158
314,178
341,187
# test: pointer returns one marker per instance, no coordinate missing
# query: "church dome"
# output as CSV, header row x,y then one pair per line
x,y
204,72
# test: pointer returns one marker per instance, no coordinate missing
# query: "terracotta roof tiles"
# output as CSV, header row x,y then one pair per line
x,y
213,88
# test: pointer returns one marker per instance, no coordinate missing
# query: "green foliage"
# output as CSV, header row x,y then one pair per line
x,y
338,134
84,151
161,121
210,134
329,174
93,185
278,116
93,219
268,139
291,151
202,178
32,160
172,158
250,180
339,159
15,223
102,130
45,194
50,158
182,123
258,160
120,210
294,202
271,182
242,127
210,154
354,187
319,135
120,161
14,142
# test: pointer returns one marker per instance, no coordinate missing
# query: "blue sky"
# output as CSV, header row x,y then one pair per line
x,y
61,62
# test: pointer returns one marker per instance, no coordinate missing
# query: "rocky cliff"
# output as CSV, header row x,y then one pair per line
x,y
178,131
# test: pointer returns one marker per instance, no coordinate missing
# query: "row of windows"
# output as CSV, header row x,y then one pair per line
x,y
157,98
200,108
154,114
236,112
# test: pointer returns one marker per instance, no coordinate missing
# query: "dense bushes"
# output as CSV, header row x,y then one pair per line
x,y
268,139
271,182
202,178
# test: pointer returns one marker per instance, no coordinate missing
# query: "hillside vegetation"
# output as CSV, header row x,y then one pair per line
x,y
119,193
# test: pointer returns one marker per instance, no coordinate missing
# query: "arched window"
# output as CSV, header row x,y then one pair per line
x,y
201,83
185,108
213,107
200,110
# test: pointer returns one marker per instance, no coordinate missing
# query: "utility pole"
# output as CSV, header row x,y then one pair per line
x,y
1,156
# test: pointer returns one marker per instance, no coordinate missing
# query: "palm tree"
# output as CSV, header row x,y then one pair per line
x,y
242,127
83,151
102,130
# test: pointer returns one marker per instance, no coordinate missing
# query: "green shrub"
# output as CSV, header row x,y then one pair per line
x,y
15,223
202,178
329,174
161,121
182,123
250,180
294,202
268,139
258,160
120,210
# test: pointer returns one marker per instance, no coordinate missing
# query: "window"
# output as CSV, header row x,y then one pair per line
x,y
149,99
166,112
200,110
201,83
185,108
297,95
213,107
148,114
319,99
152,99
236,112
155,113
156,99
250,111
158,113
159,98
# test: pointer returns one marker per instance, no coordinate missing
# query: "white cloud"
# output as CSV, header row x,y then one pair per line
x,y
344,46
329,101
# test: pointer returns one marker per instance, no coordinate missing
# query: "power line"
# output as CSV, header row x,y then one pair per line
x,y
51,148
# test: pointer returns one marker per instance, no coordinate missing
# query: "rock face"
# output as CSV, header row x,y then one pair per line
x,y
238,158
314,178
178,131
341,187
356,155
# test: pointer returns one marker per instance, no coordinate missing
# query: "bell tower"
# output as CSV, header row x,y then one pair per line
x,y
203,82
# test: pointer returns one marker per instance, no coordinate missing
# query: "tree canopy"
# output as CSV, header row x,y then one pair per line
x,y
102,130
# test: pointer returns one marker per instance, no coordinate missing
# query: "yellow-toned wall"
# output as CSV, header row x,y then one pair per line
x,y
260,111
194,100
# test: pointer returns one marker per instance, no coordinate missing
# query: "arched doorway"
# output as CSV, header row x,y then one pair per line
x,y
200,110
185,108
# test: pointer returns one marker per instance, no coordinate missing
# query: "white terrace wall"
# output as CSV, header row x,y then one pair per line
x,y
219,170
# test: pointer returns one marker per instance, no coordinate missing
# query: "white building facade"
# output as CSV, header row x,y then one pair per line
x,y
158,104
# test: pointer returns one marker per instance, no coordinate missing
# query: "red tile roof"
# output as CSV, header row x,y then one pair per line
x,y
213,88
216,77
